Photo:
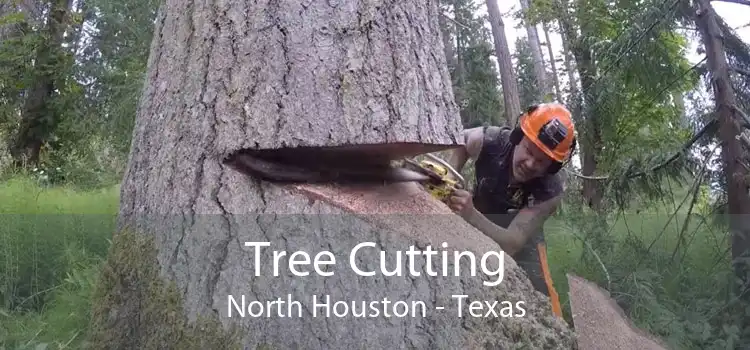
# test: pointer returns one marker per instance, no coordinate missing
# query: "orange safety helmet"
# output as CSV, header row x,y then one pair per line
x,y
550,127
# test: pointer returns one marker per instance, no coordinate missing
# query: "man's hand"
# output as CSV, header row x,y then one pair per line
x,y
460,202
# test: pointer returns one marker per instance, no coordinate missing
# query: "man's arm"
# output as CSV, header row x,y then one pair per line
x,y
473,139
527,222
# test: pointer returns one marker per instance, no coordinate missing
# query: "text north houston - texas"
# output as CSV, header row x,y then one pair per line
x,y
325,306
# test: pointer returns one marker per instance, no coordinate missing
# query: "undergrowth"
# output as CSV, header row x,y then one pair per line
x,y
52,242
667,267
673,282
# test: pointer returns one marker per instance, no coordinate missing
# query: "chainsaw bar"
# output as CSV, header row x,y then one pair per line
x,y
323,170
435,178
414,166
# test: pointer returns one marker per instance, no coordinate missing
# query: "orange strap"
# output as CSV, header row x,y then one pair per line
x,y
554,299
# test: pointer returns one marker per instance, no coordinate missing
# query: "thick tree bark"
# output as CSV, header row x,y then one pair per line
x,y
591,140
738,201
574,97
289,75
511,97
233,75
7,30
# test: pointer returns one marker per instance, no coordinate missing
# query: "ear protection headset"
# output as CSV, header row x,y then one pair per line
x,y
517,135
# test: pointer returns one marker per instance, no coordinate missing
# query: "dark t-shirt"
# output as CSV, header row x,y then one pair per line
x,y
493,168
494,196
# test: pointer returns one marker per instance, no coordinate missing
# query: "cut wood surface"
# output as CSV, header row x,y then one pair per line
x,y
601,324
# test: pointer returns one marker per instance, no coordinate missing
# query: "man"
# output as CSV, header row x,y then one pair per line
x,y
512,166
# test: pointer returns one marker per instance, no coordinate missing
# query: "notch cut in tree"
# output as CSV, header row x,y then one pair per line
x,y
286,77
368,79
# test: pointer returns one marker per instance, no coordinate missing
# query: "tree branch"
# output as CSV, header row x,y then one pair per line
x,y
741,2
745,118
453,20
741,71
706,128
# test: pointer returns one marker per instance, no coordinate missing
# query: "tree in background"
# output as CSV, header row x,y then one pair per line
x,y
530,91
502,54
469,53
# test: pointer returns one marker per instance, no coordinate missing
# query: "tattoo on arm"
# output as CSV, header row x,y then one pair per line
x,y
530,220
524,225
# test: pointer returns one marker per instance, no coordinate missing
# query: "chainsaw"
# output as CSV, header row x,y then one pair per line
x,y
332,165
442,180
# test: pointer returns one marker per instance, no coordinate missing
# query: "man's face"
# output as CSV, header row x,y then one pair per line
x,y
529,161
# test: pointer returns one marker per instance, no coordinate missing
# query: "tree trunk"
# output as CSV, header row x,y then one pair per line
x,y
575,99
738,201
508,80
553,64
460,71
295,74
679,103
569,68
590,138
447,43
38,116
540,71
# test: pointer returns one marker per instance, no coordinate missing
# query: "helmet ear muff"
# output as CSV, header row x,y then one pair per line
x,y
516,135
532,109
556,166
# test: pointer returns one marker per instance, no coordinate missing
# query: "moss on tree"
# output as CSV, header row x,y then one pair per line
x,y
133,307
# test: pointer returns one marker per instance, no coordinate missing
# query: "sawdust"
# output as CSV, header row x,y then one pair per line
x,y
391,204
601,324
395,198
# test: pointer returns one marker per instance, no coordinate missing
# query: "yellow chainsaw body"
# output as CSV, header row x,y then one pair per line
x,y
443,188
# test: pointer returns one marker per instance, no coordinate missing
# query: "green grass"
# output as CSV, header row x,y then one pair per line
x,y
52,241
673,282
